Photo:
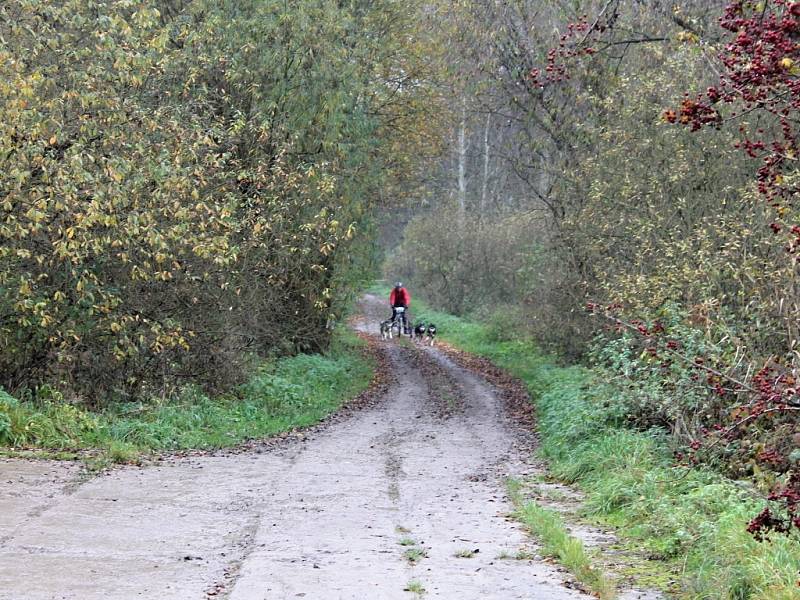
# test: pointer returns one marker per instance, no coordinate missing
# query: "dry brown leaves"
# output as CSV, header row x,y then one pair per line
x,y
512,390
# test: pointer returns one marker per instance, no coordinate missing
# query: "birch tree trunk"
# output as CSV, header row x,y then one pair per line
x,y
485,190
462,159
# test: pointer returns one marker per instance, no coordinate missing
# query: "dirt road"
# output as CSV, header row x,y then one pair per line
x,y
319,518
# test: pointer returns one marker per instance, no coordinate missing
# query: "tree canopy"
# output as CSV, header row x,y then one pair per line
x,y
186,183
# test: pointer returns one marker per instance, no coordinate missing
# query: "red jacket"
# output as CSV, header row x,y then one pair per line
x,y
399,297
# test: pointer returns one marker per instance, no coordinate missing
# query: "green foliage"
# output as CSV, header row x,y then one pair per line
x,y
187,184
655,393
286,393
694,520
464,262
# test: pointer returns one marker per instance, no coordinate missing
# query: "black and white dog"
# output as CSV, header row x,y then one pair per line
x,y
426,332
386,329
431,333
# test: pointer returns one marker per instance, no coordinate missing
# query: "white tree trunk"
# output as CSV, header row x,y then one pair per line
x,y
485,190
462,160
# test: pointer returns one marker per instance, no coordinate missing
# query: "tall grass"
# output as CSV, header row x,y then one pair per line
x,y
287,393
556,542
694,521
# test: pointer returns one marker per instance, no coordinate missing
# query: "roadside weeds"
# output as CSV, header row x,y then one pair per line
x,y
556,542
286,401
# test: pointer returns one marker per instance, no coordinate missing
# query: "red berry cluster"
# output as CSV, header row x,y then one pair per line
x,y
695,114
777,391
767,521
571,44
760,71
596,308
769,457
772,394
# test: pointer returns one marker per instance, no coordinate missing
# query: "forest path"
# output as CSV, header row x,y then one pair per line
x,y
321,518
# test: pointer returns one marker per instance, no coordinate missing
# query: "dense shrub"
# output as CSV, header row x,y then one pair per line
x,y
464,262
186,184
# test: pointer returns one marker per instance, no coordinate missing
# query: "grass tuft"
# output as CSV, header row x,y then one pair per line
x,y
415,587
414,555
407,541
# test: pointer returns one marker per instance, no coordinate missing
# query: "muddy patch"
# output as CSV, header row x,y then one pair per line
x,y
511,390
446,392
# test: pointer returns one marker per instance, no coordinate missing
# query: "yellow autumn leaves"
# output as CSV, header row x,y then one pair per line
x,y
182,185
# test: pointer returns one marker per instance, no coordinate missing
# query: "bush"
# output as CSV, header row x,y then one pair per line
x,y
179,195
474,262
507,324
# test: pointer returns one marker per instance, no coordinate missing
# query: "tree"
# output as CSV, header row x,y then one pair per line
x,y
187,184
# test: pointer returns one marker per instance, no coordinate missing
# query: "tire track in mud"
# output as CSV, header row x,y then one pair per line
x,y
443,396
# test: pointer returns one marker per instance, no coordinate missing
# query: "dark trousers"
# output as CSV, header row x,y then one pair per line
x,y
403,317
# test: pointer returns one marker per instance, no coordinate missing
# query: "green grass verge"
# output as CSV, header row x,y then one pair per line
x,y
693,522
556,542
287,393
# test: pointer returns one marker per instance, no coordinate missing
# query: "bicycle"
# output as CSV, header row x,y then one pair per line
x,y
400,321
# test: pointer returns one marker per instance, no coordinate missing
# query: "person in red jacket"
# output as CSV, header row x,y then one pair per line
x,y
399,297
